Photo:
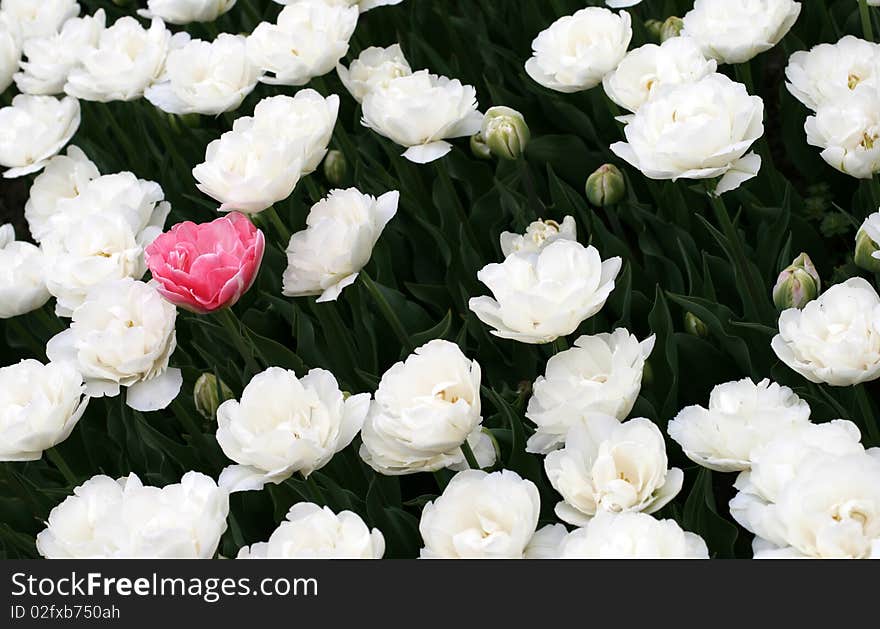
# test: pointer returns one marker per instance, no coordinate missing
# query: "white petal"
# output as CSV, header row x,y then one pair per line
x,y
424,153
156,393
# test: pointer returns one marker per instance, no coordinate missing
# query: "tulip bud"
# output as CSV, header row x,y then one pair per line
x,y
505,132
671,28
209,393
797,285
606,186
479,148
647,374
654,28
865,248
335,167
694,325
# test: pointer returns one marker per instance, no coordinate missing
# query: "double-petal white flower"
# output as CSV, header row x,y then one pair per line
x,y
373,67
33,130
22,275
186,11
39,18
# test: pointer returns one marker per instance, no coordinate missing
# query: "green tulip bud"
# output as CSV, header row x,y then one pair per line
x,y
606,186
209,393
335,167
694,325
505,132
797,285
479,148
671,28
647,374
654,28
865,248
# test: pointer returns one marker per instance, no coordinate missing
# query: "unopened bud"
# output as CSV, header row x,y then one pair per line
x,y
868,244
209,393
694,325
797,285
479,147
647,374
335,167
606,186
671,28
653,27
505,132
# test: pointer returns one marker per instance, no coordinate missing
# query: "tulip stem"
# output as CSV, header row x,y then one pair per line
x,y
469,455
865,14
529,185
560,345
868,416
283,233
744,74
446,182
58,461
234,327
314,491
387,310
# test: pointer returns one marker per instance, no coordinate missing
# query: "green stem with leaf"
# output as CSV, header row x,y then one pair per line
x,y
387,310
865,15
283,233
233,327
58,461
469,455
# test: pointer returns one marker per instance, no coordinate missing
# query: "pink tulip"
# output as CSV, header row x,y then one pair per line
x,y
206,267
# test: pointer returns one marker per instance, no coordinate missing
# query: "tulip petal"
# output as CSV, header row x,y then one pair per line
x,y
424,153
156,393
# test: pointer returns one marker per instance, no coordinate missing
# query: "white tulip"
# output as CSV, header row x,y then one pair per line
x,y
481,516
283,425
577,51
830,72
538,235
39,407
308,40
541,296
341,231
600,374
10,49
644,70
39,18
22,276
699,130
609,466
305,121
420,111
123,335
424,410
126,59
312,532
741,416
847,130
123,519
362,5
50,59
373,67
186,11
734,31
835,339
632,536
33,130
63,178
205,77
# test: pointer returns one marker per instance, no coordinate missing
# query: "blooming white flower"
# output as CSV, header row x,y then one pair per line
x,y
848,132
186,11
284,424
341,231
632,536
39,407
312,532
609,466
835,339
22,275
481,516
307,40
362,5
540,296
51,58
699,130
643,70
123,335
374,66
33,129
63,178
538,235
830,72
734,31
600,374
578,50
41,17
424,409
420,111
126,59
123,519
205,77
741,416
10,49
